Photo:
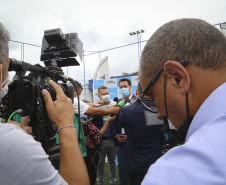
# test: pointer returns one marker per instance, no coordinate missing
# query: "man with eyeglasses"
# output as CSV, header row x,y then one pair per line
x,y
182,69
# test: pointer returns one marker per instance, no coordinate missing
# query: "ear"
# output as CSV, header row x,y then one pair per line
x,y
75,94
136,92
178,75
99,97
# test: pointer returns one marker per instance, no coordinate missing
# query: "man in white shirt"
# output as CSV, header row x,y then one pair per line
x,y
89,108
182,69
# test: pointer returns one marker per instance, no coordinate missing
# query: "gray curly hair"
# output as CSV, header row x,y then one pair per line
x,y
4,39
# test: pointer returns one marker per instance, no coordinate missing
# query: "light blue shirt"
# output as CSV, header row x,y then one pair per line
x,y
202,159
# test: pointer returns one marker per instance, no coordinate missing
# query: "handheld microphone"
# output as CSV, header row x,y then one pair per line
x,y
127,102
121,103
114,101
117,104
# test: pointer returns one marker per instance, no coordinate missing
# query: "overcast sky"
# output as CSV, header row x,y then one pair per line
x,y
100,24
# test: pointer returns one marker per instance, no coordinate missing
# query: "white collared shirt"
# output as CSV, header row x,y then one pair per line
x,y
202,159
83,106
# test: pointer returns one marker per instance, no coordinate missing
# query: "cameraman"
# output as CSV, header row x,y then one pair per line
x,y
23,160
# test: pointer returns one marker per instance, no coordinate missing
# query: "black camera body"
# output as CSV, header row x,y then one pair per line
x,y
55,44
25,91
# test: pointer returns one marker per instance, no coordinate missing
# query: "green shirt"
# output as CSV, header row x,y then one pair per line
x,y
82,140
17,118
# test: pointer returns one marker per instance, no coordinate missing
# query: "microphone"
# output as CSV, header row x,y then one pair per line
x,y
127,102
114,101
121,103
17,65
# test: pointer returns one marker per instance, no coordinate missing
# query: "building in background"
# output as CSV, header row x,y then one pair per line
x,y
112,84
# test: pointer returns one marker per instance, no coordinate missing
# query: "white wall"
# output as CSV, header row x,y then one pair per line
x,y
89,93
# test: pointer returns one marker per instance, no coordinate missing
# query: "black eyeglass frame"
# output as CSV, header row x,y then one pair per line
x,y
153,80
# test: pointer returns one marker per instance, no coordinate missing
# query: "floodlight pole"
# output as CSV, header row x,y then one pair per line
x,y
223,26
138,33
84,73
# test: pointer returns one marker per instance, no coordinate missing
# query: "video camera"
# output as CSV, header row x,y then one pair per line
x,y
58,50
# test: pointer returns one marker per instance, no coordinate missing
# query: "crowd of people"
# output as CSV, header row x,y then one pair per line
x,y
181,82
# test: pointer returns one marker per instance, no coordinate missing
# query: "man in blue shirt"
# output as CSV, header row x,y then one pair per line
x,y
182,69
107,145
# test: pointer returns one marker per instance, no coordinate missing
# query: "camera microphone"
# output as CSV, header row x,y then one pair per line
x,y
18,66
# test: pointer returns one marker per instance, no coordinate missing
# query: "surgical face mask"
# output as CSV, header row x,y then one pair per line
x,y
4,91
125,92
106,98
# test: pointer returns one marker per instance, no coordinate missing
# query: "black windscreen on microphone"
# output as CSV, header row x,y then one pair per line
x,y
127,100
115,99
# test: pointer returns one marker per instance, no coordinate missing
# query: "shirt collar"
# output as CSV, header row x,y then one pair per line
x,y
130,97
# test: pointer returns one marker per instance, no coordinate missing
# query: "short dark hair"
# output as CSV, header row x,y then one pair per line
x,y
125,79
78,84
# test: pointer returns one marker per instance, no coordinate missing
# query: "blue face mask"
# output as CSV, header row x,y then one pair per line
x,y
125,92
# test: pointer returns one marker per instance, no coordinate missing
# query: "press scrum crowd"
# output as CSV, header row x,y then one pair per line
x,y
181,81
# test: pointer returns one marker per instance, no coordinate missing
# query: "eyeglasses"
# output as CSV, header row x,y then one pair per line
x,y
141,99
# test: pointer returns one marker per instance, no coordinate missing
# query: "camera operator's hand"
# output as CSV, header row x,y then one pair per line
x,y
61,111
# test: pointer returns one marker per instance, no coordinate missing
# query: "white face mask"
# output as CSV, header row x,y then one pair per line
x,y
4,91
106,98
